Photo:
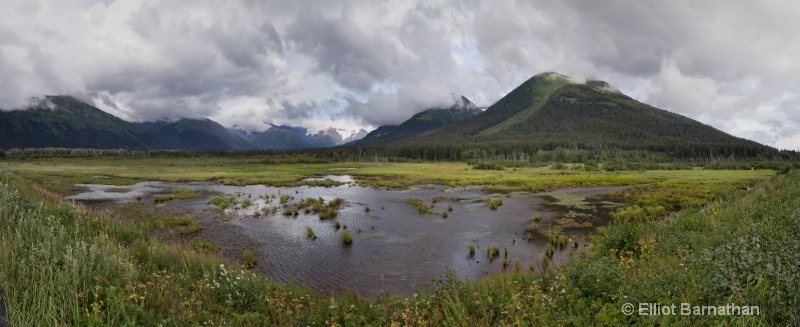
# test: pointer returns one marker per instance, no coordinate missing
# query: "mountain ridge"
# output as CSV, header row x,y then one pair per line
x,y
424,122
195,134
551,110
545,112
64,121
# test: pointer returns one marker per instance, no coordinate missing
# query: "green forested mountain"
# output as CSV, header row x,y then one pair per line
x,y
422,123
194,134
280,137
375,134
63,121
549,111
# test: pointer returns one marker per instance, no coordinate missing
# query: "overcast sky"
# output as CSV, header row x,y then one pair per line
x,y
734,65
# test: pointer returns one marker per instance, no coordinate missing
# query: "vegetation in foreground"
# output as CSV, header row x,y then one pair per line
x,y
75,267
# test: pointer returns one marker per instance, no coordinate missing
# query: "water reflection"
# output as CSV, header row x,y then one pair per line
x,y
394,247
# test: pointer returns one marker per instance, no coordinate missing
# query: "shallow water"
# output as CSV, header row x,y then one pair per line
x,y
397,249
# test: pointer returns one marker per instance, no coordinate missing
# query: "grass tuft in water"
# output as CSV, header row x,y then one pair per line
x,y
176,193
310,233
346,238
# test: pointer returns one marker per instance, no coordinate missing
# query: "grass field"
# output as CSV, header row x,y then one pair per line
x,y
725,245
61,174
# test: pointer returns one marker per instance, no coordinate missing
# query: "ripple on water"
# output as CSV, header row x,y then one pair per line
x,y
397,246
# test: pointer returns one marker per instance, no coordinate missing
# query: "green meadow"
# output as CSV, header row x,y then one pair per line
x,y
697,236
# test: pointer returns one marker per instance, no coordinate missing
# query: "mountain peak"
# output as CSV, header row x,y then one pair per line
x,y
461,102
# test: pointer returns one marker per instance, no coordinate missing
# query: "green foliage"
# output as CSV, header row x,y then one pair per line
x,y
323,183
78,268
176,193
310,233
203,246
494,203
248,258
187,225
492,252
223,203
314,205
346,238
489,166
422,208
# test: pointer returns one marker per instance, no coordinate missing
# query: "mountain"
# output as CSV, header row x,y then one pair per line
x,y
326,138
63,121
376,135
550,110
423,122
295,137
280,137
355,136
194,134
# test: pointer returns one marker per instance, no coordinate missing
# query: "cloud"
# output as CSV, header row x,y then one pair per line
x,y
732,64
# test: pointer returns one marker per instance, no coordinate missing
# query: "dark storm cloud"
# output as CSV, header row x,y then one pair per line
x,y
352,55
299,110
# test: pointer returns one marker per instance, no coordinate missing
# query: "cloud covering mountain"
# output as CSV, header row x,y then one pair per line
x,y
354,63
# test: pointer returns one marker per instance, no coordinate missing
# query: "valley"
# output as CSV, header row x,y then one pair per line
x,y
559,204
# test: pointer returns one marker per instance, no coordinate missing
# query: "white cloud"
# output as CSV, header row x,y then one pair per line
x,y
367,63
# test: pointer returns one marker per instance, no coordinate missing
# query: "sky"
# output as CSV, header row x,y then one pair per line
x,y
732,64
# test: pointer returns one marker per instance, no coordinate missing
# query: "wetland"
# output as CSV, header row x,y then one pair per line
x,y
394,246
253,241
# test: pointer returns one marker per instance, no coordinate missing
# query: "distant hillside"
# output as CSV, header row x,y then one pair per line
x,y
376,134
549,111
194,134
280,137
423,122
63,121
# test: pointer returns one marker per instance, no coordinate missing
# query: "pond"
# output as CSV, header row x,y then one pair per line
x,y
395,247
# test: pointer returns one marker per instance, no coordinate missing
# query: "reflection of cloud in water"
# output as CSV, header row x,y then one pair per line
x,y
395,240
